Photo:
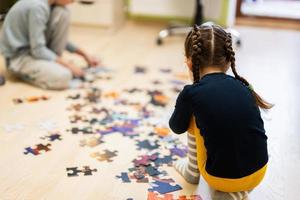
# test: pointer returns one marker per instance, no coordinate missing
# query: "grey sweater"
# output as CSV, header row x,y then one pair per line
x,y
24,30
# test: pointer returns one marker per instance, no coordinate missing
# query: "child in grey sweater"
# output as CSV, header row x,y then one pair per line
x,y
33,38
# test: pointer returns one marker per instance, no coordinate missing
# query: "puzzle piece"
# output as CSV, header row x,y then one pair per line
x,y
178,82
156,82
36,151
158,98
77,118
91,142
156,196
162,187
165,160
52,137
42,147
85,130
113,95
133,90
74,97
140,70
74,171
93,95
192,197
144,160
165,70
152,171
30,99
181,152
32,151
99,111
106,156
146,144
162,132
76,107
124,177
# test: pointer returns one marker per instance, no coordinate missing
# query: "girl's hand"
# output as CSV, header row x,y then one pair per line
x,y
92,61
76,71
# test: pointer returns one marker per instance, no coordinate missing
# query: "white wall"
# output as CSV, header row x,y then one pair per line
x,y
182,8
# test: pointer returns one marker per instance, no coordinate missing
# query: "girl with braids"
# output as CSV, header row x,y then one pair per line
x,y
226,137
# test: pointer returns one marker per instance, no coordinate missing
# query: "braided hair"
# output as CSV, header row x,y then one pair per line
x,y
211,45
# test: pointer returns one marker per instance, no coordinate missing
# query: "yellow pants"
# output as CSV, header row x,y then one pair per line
x,y
246,183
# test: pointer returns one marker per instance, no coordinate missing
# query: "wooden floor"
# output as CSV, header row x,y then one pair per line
x,y
269,58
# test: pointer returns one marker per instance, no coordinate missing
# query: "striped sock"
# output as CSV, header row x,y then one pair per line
x,y
218,195
188,167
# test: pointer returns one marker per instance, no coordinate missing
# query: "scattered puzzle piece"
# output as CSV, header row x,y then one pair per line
x,y
165,70
158,98
124,177
162,132
32,151
85,130
30,99
106,156
77,118
74,171
156,196
146,144
144,160
52,137
76,107
181,152
91,142
165,160
36,151
93,95
74,97
140,70
163,188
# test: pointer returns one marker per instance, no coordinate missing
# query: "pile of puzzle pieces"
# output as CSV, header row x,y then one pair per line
x,y
134,119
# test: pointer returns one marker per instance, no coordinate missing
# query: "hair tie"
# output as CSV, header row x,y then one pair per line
x,y
250,87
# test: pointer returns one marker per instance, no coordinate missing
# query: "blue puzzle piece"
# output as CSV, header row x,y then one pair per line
x,y
30,150
124,177
54,137
152,171
163,187
165,160
145,144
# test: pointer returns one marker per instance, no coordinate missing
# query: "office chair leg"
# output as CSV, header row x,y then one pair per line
x,y
162,34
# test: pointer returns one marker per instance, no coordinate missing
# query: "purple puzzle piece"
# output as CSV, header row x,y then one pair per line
x,y
145,160
179,152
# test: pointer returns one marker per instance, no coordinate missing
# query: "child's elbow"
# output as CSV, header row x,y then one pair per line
x,y
176,129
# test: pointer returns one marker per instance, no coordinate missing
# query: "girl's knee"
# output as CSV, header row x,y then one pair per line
x,y
60,80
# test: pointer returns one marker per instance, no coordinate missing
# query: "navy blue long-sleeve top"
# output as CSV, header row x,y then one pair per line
x,y
229,121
